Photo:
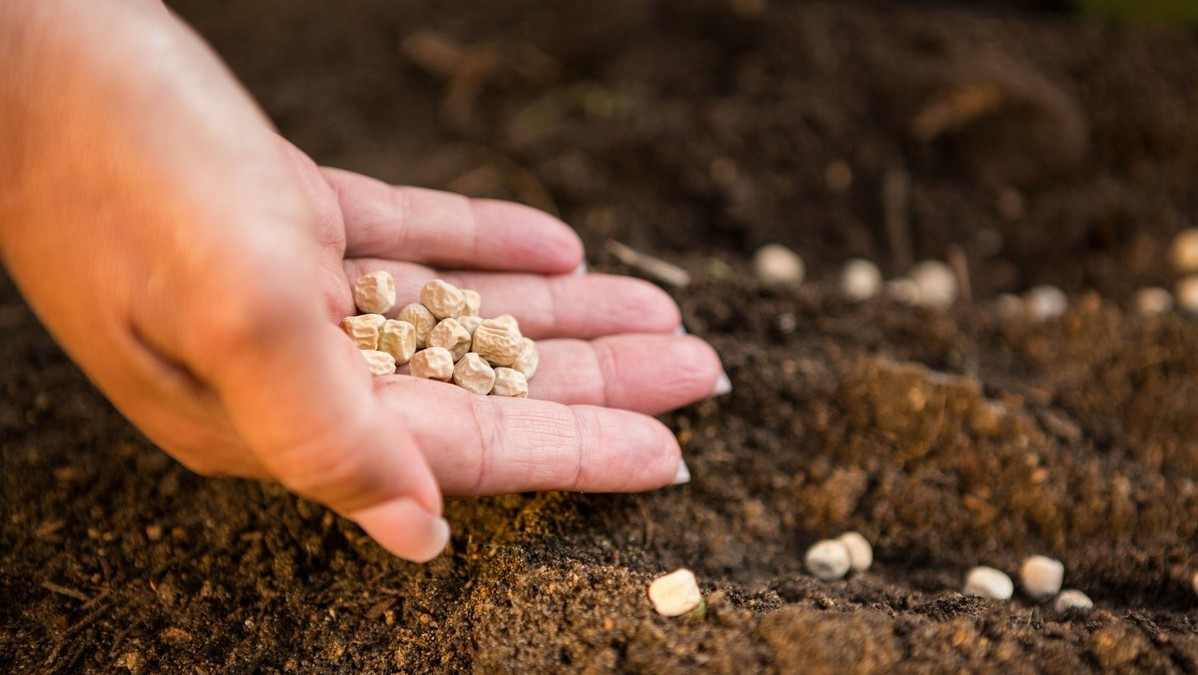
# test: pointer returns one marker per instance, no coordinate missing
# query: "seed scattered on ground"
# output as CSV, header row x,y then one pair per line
x,y
380,363
860,280
1184,251
861,553
1072,599
988,583
676,593
1041,576
828,560
1045,302
374,293
1153,301
778,267
936,284
1187,294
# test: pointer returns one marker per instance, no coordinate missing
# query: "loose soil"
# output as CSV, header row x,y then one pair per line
x,y
1032,145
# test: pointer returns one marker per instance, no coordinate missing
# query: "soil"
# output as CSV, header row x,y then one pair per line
x,y
1030,145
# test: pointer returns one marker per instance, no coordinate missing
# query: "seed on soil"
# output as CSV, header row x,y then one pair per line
x,y
1184,251
498,341
778,267
364,329
988,583
1072,599
1153,301
1187,294
1045,302
860,280
676,593
398,338
528,360
1194,583
450,335
434,363
828,560
936,283
419,316
1041,576
374,293
861,553
380,363
442,298
474,374
510,382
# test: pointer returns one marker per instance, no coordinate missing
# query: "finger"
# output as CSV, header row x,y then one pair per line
x,y
449,230
579,306
650,374
481,445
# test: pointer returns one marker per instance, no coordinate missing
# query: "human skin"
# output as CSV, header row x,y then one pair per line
x,y
195,266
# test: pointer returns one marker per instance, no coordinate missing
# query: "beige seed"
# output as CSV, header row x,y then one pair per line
x,y
450,335
528,360
860,280
1045,302
434,363
861,554
510,382
1041,576
474,374
507,320
398,338
470,322
380,363
374,293
1184,251
1073,599
676,593
472,302
364,329
777,266
1187,294
1153,301
498,341
424,321
988,583
828,560
936,283
442,298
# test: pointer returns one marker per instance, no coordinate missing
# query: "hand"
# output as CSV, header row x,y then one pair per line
x,y
195,266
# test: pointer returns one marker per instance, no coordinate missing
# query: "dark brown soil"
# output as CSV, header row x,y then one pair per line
x,y
1040,147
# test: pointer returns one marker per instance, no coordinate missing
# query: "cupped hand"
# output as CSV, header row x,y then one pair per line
x,y
196,266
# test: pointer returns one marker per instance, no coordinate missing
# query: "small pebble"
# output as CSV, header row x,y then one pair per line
x,y
988,583
1153,301
1187,294
936,283
777,266
1041,576
860,280
1184,251
676,593
861,554
1072,599
1045,302
828,560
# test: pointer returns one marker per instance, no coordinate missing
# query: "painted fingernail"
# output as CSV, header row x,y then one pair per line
x,y
581,269
723,385
684,474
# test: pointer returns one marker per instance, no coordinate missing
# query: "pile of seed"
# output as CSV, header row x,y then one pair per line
x,y
1039,576
441,337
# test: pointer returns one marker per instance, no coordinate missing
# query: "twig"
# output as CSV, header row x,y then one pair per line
x,y
652,267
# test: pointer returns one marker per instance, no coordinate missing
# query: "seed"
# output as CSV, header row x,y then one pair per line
x,y
380,363
1072,599
936,283
676,593
442,298
1045,302
469,322
1184,251
498,340
374,293
510,382
861,554
474,374
528,359
860,280
988,583
471,302
419,316
398,338
828,560
1041,576
434,363
1153,301
364,329
450,335
778,267
1194,582
1187,294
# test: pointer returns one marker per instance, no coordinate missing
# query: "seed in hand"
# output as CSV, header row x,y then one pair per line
x,y
450,335
442,298
374,293
398,338
434,363
424,321
380,363
471,302
528,360
364,329
474,374
510,382
498,341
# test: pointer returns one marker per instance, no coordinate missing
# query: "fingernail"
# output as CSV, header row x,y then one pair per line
x,y
680,330
723,385
684,474
404,528
581,269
